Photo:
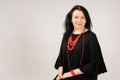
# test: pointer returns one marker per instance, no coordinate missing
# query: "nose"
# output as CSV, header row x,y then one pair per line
x,y
79,20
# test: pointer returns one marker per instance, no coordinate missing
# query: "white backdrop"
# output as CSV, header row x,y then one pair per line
x,y
31,32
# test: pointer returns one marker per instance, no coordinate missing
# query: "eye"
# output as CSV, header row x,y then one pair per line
x,y
76,17
82,17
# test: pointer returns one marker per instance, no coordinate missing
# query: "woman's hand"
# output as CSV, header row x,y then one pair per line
x,y
59,77
66,75
60,72
69,74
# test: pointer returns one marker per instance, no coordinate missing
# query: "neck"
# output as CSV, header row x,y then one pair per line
x,y
79,31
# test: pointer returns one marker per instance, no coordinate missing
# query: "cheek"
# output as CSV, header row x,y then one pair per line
x,y
73,20
84,21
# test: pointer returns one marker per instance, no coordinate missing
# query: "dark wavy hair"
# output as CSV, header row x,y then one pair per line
x,y
68,24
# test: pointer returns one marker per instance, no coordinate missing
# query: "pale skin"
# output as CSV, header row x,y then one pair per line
x,y
78,20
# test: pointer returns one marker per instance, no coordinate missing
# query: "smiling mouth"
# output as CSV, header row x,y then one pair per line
x,y
79,24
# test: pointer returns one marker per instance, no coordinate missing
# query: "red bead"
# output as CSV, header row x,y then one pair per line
x,y
71,44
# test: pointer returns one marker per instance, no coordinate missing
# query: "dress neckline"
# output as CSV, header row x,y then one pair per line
x,y
82,33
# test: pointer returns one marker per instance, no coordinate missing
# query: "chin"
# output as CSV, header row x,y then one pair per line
x,y
79,27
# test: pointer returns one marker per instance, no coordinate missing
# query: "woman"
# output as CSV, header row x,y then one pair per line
x,y
80,56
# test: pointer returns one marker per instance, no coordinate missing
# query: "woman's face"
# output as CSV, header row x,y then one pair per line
x,y
78,19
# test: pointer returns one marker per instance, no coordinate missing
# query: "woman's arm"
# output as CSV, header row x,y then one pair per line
x,y
60,72
69,74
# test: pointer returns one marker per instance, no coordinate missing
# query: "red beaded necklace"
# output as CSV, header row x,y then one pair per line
x,y
72,43
73,48
70,46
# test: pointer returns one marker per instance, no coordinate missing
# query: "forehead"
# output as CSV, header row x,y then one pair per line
x,y
78,13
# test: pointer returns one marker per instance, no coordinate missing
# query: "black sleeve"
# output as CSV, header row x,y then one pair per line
x,y
96,64
60,59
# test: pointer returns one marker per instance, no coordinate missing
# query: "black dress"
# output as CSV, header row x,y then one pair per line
x,y
92,62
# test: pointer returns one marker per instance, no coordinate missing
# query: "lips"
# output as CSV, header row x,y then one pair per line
x,y
79,24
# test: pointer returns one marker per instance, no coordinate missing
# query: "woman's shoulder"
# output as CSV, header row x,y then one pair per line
x,y
90,34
